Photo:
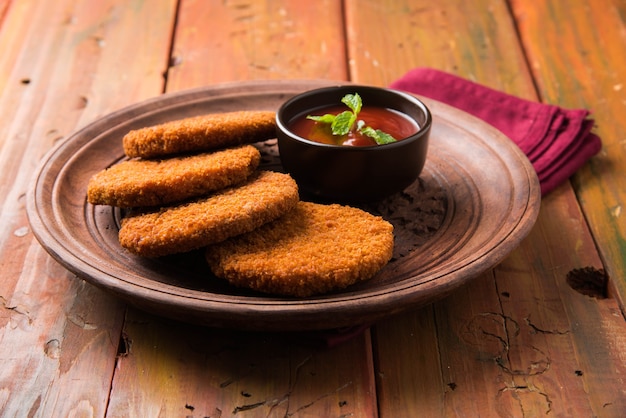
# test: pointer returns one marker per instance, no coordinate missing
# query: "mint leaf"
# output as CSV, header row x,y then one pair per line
x,y
383,138
343,123
353,101
377,135
327,118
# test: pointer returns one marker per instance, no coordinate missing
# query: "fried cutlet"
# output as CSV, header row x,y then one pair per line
x,y
264,197
140,182
311,250
200,133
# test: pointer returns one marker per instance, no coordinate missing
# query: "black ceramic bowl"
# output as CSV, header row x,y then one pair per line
x,y
351,173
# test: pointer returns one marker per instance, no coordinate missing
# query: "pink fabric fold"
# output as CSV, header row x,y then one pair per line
x,y
557,141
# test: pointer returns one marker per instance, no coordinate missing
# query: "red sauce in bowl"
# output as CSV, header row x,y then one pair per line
x,y
389,121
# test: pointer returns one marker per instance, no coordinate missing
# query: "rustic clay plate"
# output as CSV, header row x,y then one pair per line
x,y
477,198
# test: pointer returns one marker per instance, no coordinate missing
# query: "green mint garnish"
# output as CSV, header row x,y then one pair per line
x,y
377,135
324,119
342,123
353,101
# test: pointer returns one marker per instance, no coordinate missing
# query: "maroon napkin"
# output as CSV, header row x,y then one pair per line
x,y
557,141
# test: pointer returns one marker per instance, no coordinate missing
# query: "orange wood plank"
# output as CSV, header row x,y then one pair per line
x,y
576,51
174,369
516,340
473,39
269,39
62,64
400,343
592,325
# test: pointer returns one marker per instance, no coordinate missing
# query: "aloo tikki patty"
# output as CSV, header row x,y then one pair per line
x,y
140,182
265,196
200,133
310,250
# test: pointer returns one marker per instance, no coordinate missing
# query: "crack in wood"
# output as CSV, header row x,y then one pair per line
x,y
292,383
275,402
123,348
247,407
18,309
493,325
506,328
543,331
534,368
516,390
495,333
310,404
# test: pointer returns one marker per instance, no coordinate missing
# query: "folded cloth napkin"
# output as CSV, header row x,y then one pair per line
x,y
557,141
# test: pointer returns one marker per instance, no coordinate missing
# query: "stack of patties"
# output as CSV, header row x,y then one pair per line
x,y
195,183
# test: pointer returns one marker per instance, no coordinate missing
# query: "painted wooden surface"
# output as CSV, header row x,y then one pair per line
x,y
524,349
63,64
581,65
517,341
257,40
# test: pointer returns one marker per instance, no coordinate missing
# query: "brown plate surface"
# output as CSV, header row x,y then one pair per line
x,y
477,198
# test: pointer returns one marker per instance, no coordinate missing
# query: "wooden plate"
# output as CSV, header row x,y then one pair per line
x,y
486,192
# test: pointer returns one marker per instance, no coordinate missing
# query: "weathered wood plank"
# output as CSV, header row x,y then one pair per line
x,y
453,36
570,70
244,373
576,51
63,63
517,338
268,39
542,364
174,369
593,325
409,339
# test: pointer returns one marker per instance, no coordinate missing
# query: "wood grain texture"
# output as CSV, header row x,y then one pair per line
x,y
503,345
413,339
592,324
57,332
516,341
576,52
268,39
454,36
174,369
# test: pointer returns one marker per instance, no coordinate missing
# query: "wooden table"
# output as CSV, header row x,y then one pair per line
x,y
517,341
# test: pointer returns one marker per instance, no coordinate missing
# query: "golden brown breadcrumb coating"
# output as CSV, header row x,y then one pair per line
x,y
201,133
139,182
311,250
230,212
